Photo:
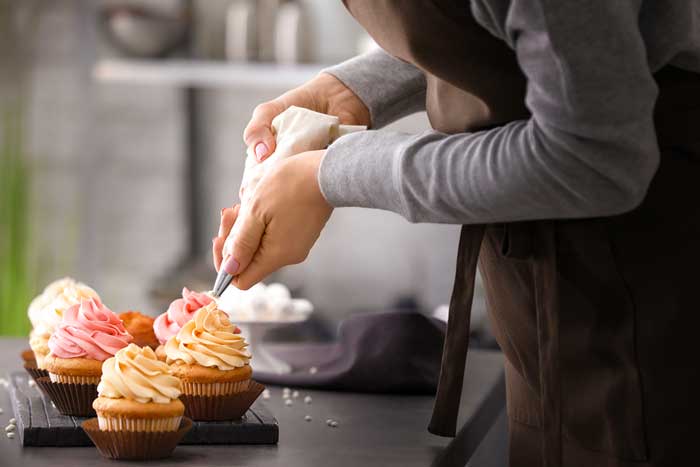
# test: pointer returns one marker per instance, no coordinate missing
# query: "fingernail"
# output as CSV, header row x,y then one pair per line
x,y
222,211
260,150
213,240
231,266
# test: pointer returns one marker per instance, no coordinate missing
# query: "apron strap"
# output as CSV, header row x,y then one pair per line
x,y
454,352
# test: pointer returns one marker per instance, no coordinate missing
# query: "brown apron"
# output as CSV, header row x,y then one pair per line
x,y
595,316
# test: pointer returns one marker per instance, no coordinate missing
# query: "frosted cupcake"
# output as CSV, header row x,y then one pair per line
x,y
46,312
89,334
212,362
139,415
138,392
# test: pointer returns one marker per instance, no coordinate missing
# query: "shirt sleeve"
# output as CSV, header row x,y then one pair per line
x,y
389,87
588,150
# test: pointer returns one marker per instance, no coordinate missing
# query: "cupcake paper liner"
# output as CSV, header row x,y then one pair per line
x,y
70,399
33,371
112,423
218,408
55,378
139,445
215,389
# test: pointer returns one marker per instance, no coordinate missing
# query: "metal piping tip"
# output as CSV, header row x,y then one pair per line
x,y
222,282
217,282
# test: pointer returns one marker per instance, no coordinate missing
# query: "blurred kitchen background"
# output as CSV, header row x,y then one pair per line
x,y
121,141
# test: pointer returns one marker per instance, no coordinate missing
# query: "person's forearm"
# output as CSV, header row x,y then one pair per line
x,y
389,87
506,174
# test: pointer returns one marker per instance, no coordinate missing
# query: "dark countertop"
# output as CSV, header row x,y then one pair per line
x,y
374,430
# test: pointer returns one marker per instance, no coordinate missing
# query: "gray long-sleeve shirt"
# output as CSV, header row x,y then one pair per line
x,y
589,148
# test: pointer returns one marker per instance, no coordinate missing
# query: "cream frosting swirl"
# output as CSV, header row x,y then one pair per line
x,y
89,330
46,310
209,340
179,312
136,374
45,297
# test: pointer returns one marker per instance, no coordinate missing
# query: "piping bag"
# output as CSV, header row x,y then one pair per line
x,y
296,130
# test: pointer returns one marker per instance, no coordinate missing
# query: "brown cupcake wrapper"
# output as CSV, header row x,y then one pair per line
x,y
35,372
135,445
70,399
218,408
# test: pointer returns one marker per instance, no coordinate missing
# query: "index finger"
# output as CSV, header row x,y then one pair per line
x,y
228,218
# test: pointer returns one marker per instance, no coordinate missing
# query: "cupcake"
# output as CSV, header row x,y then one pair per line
x,y
139,415
140,327
89,334
46,311
138,392
212,362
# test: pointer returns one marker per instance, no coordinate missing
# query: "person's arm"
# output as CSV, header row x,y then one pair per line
x,y
389,87
589,149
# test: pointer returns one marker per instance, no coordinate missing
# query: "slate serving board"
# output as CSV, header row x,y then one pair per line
x,y
40,424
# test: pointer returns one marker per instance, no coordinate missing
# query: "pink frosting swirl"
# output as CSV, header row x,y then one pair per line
x,y
179,312
89,330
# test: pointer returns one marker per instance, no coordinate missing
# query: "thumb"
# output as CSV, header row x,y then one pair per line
x,y
258,134
247,234
263,144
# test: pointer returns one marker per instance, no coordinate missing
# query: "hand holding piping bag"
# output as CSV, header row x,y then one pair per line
x,y
277,225
282,210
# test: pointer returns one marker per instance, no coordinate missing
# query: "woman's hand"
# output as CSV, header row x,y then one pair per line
x,y
325,94
279,224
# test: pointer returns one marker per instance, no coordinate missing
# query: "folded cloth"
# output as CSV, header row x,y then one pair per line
x,y
384,352
296,130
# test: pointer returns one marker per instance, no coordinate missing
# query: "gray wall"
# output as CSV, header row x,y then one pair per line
x,y
109,181
107,165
